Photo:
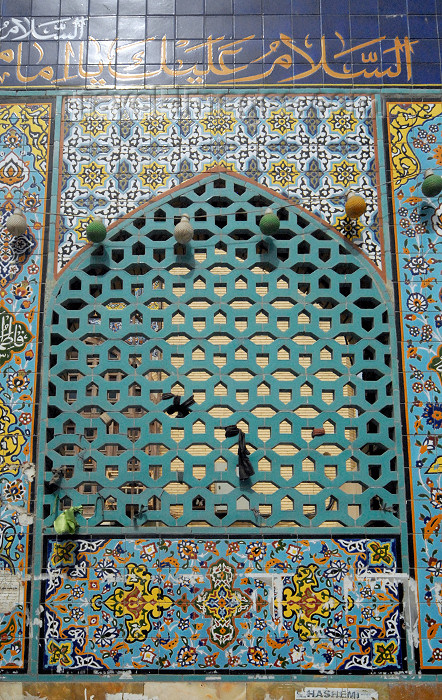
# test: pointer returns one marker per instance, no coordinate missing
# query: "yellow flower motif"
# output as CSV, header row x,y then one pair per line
x,y
344,173
154,176
94,124
12,442
219,122
59,653
350,228
155,123
282,121
63,553
219,164
283,174
92,175
385,653
306,603
138,603
342,121
381,554
80,228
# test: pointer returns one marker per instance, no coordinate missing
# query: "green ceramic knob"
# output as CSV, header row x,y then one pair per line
x,y
269,223
96,230
432,185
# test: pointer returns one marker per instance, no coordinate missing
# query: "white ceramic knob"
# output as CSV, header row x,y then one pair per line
x,y
183,231
17,224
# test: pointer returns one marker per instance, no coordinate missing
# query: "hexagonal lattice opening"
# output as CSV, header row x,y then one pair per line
x,y
286,357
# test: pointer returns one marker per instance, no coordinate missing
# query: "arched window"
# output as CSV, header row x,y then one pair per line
x,y
287,338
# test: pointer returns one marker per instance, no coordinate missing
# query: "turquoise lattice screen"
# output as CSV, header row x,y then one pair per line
x,y
289,338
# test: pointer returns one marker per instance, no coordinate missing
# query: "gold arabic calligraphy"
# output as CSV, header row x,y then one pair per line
x,y
126,62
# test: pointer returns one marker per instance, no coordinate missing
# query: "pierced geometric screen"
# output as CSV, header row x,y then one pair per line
x,y
287,338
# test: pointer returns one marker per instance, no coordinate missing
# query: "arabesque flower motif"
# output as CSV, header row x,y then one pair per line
x,y
219,122
304,601
417,265
59,653
187,549
187,656
283,173
433,414
94,124
436,220
14,491
342,121
344,173
436,498
282,121
12,441
386,653
417,303
17,381
256,551
257,656
155,123
21,290
139,603
381,553
154,175
222,603
63,553
92,175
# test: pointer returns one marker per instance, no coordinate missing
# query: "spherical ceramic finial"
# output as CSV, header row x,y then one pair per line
x,y
183,230
96,230
355,206
16,223
269,223
432,184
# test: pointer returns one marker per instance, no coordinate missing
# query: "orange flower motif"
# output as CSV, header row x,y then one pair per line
x,y
438,154
211,659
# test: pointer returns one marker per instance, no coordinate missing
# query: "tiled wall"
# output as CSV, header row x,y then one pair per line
x,y
234,43
118,152
415,144
24,135
188,603
231,605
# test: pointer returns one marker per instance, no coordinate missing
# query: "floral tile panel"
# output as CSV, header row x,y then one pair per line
x,y
119,152
415,133
24,134
224,606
